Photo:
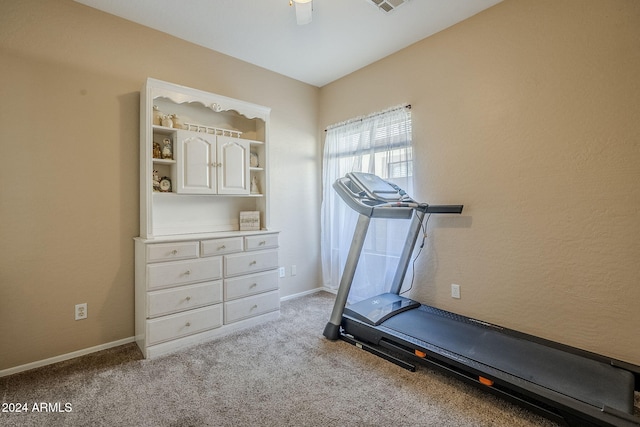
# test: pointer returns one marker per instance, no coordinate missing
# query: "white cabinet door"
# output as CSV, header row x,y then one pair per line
x,y
196,161
209,164
233,165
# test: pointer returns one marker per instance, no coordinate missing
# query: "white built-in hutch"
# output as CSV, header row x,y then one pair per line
x,y
203,161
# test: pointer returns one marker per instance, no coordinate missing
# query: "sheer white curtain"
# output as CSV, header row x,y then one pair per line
x,y
379,144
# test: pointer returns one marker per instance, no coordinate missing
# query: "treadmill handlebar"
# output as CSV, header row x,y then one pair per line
x,y
374,197
444,209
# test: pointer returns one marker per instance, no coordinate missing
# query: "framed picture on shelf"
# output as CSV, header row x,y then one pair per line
x,y
249,220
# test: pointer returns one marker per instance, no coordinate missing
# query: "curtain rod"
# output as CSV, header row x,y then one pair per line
x,y
361,118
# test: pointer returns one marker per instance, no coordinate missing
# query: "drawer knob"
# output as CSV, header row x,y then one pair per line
x,y
188,272
173,252
253,285
188,298
222,247
262,243
254,306
254,262
188,324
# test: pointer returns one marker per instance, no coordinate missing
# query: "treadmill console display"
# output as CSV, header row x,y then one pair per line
x,y
375,187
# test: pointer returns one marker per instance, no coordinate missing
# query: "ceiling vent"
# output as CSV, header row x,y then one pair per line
x,y
387,5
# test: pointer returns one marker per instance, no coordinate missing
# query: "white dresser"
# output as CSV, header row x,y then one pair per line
x,y
204,165
193,289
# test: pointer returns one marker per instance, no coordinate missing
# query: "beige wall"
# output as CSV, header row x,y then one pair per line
x,y
69,136
528,114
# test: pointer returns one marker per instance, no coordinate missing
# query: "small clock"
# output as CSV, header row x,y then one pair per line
x,y
165,184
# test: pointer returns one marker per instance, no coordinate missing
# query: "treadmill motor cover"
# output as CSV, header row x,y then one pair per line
x,y
376,310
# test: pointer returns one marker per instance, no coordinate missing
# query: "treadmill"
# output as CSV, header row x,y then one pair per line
x,y
566,384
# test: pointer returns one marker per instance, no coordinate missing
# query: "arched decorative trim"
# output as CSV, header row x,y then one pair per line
x,y
214,102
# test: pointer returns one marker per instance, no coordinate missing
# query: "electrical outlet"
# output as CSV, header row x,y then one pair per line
x,y
455,291
81,311
294,270
281,272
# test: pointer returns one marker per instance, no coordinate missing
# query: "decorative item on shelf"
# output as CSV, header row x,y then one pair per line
x,y
167,149
249,220
156,181
254,185
157,116
177,122
165,184
166,121
212,130
157,151
253,160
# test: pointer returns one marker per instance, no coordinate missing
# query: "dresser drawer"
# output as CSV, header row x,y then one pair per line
x,y
179,325
251,306
182,272
244,263
172,251
251,284
221,246
261,241
167,301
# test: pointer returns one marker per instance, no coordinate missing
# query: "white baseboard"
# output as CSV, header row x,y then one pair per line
x,y
63,357
301,294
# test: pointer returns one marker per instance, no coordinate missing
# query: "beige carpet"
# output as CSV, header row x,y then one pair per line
x,y
284,373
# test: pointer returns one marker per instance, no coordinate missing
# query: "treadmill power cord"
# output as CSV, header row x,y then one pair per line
x,y
413,264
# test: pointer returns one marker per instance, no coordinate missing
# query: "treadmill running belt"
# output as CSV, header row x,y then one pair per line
x,y
581,378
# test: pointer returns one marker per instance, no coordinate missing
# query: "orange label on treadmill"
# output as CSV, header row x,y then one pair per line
x,y
485,381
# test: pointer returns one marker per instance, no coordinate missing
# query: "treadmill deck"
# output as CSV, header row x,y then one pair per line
x,y
581,378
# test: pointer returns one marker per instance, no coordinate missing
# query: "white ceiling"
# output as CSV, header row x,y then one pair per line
x,y
345,35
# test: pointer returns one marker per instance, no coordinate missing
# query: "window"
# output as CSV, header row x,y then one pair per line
x,y
379,144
